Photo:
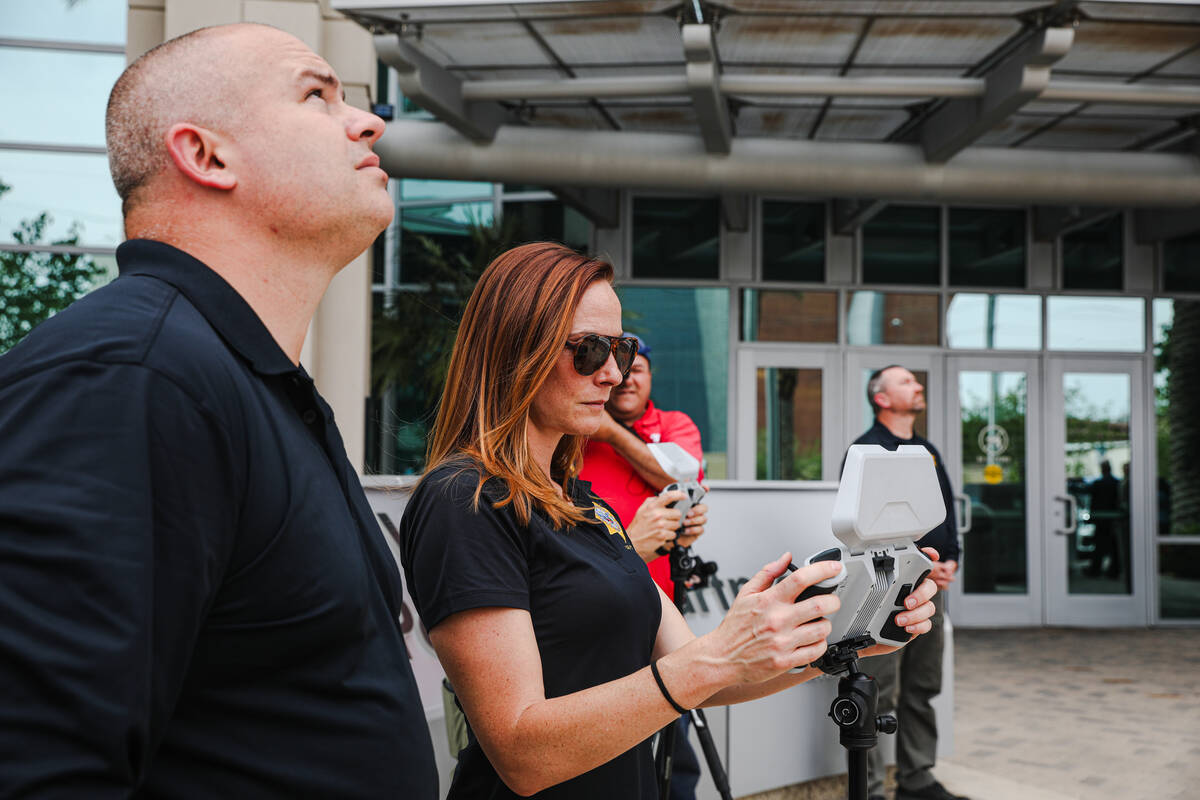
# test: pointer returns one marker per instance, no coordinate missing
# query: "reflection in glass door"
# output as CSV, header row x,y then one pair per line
x,y
1098,449
990,463
1096,454
785,419
992,421
788,429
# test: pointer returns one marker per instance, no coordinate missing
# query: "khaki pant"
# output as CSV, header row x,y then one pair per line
x,y
908,680
456,720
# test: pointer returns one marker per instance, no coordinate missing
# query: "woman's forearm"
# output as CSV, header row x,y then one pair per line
x,y
753,691
534,741
557,739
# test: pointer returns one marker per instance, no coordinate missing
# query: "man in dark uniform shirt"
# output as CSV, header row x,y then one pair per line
x,y
910,678
196,599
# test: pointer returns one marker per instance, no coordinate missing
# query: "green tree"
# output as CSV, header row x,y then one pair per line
x,y
412,336
35,286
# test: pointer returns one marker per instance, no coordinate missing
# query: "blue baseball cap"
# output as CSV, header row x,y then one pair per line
x,y
643,348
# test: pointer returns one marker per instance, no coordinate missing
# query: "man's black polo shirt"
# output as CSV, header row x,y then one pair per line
x,y
943,538
195,598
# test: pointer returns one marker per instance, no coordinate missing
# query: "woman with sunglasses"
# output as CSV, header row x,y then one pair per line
x,y
565,655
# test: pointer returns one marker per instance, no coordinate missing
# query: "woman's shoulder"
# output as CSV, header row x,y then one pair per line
x,y
457,481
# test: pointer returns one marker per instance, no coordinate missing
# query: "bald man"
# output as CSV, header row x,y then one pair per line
x,y
196,599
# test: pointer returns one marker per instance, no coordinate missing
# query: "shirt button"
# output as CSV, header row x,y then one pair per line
x,y
309,417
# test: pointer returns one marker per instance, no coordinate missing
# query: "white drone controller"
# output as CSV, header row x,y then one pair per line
x,y
676,461
885,502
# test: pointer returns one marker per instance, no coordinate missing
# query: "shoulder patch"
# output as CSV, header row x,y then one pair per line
x,y
610,521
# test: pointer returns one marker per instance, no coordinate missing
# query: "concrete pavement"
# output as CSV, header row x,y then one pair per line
x,y
1062,713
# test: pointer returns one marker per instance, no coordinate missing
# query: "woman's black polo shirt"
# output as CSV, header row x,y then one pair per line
x,y
594,609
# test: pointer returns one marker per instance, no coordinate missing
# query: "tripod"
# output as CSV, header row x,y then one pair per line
x,y
853,710
684,566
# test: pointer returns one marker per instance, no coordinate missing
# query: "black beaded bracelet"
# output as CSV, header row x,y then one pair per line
x,y
662,687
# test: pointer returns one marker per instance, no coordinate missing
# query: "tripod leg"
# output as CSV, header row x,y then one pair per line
x,y
720,780
664,757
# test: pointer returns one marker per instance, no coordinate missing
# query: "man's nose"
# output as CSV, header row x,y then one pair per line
x,y
364,125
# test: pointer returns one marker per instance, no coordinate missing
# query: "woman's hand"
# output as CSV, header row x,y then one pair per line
x,y
693,525
764,634
654,525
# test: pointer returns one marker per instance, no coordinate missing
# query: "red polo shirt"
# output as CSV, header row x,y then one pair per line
x,y
615,480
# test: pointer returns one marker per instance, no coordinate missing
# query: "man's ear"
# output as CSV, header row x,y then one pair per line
x,y
886,401
196,152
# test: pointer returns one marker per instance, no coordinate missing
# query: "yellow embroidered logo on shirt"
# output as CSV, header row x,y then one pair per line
x,y
610,522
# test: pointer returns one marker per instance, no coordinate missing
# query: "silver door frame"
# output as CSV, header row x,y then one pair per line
x,y
1062,608
988,610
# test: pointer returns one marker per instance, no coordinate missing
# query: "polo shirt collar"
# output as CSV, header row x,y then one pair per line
x,y
884,432
226,310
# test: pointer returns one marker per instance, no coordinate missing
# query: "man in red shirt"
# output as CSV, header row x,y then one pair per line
x,y
622,470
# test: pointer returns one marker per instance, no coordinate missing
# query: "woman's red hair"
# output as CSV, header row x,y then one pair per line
x,y
512,333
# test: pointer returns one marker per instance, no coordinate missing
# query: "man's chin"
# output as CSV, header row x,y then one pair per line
x,y
621,412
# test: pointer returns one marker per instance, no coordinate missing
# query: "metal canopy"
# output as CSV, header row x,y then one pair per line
x,y
1054,89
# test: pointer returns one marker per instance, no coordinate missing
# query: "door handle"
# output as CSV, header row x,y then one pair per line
x,y
1071,510
964,521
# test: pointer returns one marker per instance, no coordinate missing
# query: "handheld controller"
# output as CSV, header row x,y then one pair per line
x,y
686,567
676,461
885,501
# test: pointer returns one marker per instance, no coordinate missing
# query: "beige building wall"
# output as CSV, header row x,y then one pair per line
x,y
337,352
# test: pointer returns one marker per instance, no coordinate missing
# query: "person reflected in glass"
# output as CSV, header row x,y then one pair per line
x,y
565,655
1105,494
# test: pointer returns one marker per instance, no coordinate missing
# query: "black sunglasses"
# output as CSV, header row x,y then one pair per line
x,y
593,350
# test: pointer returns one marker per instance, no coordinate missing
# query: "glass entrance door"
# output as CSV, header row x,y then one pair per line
x,y
787,414
1098,479
992,458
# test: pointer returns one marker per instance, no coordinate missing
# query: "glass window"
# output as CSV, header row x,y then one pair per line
x,y
1179,581
994,321
987,247
793,241
415,189
93,21
675,237
1098,459
770,315
522,188
60,97
789,425
1177,407
1181,264
688,333
548,220
902,244
1163,311
409,354
431,235
1096,323
891,318
1092,256
75,190
993,478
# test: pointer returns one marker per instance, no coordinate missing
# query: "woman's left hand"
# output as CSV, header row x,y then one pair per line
x,y
918,608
